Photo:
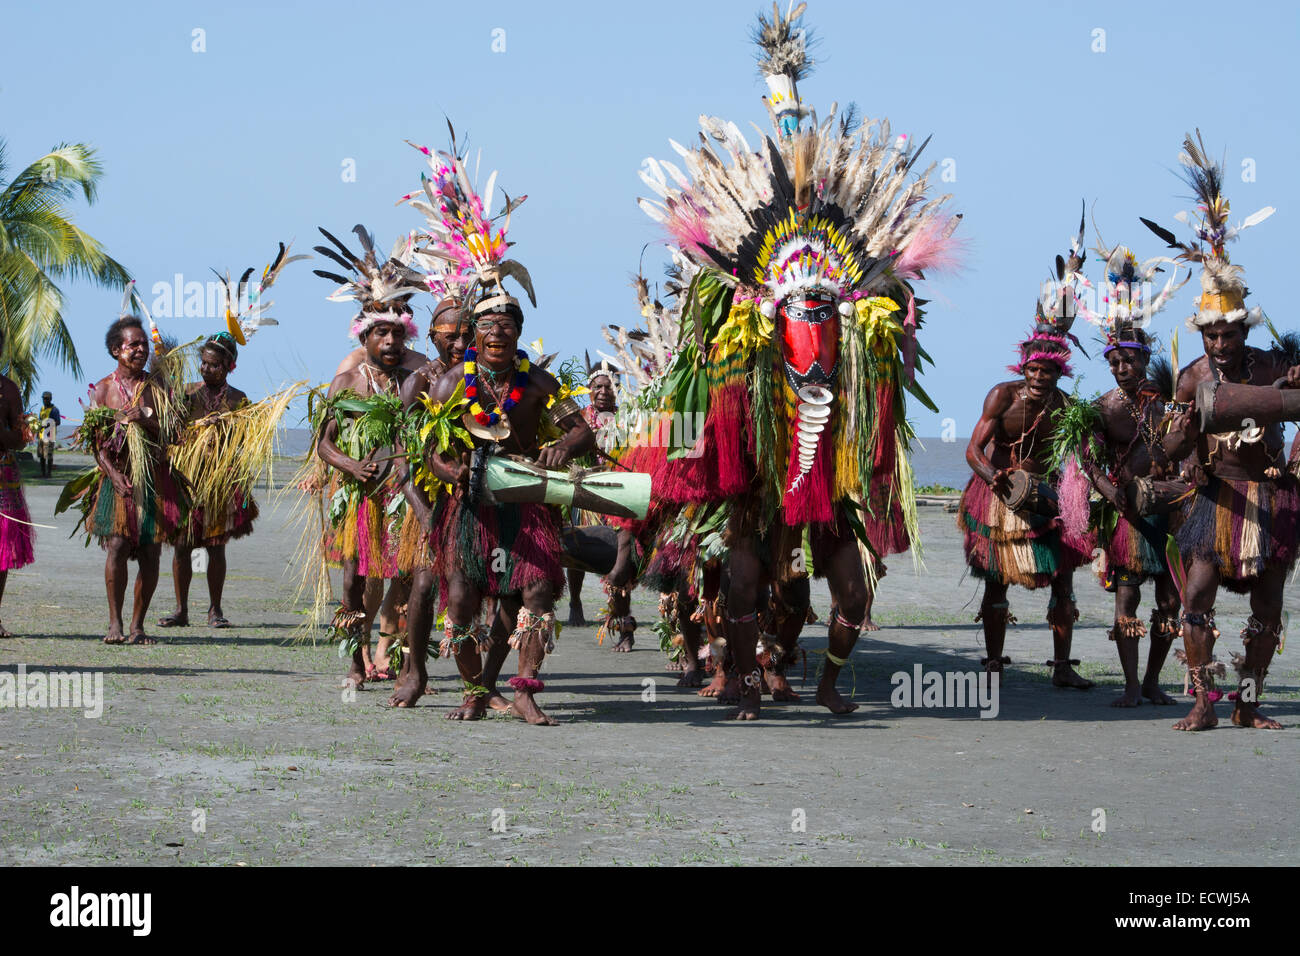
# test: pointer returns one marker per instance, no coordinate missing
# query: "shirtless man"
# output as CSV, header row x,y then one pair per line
x,y
1244,493
1240,528
1014,433
452,334
522,564
603,403
377,601
211,396
385,345
1131,414
131,523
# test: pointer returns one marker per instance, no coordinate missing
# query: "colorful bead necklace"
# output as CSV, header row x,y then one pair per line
x,y
481,415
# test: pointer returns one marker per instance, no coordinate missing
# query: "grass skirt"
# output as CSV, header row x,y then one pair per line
x,y
15,538
206,529
1138,549
1243,527
413,545
157,519
364,534
500,549
664,572
1001,545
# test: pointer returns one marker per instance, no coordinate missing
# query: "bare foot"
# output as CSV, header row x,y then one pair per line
x,y
175,619
1063,675
870,625
4,632
691,677
217,620
356,676
1153,693
1132,697
780,687
1248,715
407,690
497,702
1201,717
115,635
675,666
830,698
525,708
139,637
730,693
576,618
750,705
473,709
715,687
625,642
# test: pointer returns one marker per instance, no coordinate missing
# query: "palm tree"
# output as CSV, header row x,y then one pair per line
x,y
38,244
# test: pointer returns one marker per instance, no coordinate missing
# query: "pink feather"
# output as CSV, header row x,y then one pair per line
x,y
930,249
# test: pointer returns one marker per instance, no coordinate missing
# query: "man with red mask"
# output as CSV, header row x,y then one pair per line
x,y
798,343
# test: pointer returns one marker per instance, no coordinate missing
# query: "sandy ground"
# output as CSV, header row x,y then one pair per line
x,y
235,747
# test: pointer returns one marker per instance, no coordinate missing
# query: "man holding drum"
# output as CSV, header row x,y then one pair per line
x,y
1129,457
1011,535
482,547
1240,527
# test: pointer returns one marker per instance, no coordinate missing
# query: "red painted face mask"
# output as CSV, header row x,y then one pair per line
x,y
810,339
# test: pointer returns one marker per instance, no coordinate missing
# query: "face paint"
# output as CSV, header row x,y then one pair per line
x,y
810,339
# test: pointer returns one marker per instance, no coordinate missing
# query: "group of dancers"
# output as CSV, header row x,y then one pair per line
x,y
751,433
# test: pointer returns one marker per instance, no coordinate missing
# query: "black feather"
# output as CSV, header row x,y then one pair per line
x,y
1060,268
1161,374
367,243
243,282
330,253
1162,232
347,253
331,276
1287,347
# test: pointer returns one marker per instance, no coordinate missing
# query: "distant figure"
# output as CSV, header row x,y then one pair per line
x,y
48,419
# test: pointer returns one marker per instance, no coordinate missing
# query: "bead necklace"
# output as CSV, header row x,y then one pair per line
x,y
520,382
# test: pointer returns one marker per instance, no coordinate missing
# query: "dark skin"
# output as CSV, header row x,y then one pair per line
x,y
132,355
451,344
602,400
748,577
1013,409
1228,356
205,399
1120,432
11,439
496,339
385,346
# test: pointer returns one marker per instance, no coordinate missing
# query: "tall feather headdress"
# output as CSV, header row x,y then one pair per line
x,y
466,255
1223,285
1128,302
783,61
381,288
1059,300
245,310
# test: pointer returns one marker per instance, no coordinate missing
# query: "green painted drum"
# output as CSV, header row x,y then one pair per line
x,y
623,494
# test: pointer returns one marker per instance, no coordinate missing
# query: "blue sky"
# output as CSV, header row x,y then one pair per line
x,y
212,157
